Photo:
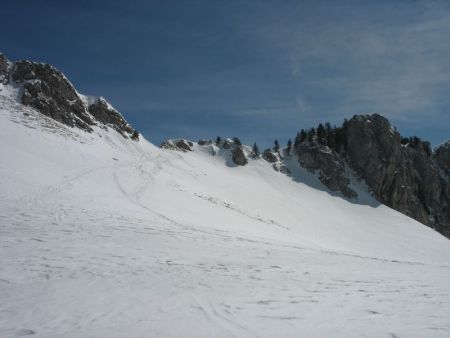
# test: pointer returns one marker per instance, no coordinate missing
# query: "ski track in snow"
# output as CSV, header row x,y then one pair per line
x,y
140,246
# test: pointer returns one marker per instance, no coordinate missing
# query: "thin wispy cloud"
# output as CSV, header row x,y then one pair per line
x,y
392,58
269,66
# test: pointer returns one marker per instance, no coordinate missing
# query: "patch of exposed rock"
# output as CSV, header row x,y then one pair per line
x,y
239,157
327,163
236,151
46,89
271,156
4,69
403,177
281,167
227,144
102,111
442,157
204,142
401,173
178,144
274,157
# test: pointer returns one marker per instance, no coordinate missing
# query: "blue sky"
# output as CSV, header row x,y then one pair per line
x,y
259,70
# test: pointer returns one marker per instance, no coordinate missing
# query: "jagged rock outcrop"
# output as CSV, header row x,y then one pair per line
x,y
402,176
178,144
401,173
281,167
327,163
184,145
4,68
107,115
239,157
46,89
442,157
270,156
204,142
226,144
275,158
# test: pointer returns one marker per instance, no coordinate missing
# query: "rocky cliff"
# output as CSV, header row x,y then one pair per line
x,y
46,89
328,164
402,173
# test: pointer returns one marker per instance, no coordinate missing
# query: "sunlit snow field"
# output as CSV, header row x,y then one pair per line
x,y
106,237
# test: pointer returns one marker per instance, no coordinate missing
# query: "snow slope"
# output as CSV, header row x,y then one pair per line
x,y
106,237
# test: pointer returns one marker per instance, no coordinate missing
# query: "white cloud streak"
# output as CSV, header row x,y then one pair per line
x,y
395,61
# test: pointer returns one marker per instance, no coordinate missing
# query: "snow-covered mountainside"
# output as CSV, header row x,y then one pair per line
x,y
103,236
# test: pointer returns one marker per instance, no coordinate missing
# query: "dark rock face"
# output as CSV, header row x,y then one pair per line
x,y
46,89
275,158
184,145
328,164
279,166
4,69
406,176
403,177
168,144
270,156
442,157
226,144
239,157
204,142
109,116
135,135
179,144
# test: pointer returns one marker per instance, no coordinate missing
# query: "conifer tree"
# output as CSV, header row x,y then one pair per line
x,y
303,135
345,125
311,135
218,140
276,146
331,139
255,151
297,140
344,133
339,138
328,129
237,141
289,147
321,134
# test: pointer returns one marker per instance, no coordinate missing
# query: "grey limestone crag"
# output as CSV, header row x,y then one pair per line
x,y
270,156
330,167
404,174
178,144
46,89
239,157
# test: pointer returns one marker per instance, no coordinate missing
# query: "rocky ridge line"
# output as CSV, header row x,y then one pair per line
x,y
46,89
404,174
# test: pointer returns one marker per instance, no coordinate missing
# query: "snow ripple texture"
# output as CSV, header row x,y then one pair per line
x,y
105,237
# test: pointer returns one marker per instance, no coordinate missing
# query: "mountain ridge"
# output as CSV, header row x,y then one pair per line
x,y
404,174
104,236
42,86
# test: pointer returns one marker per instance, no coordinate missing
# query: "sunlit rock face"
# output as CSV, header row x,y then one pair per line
x,y
46,89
